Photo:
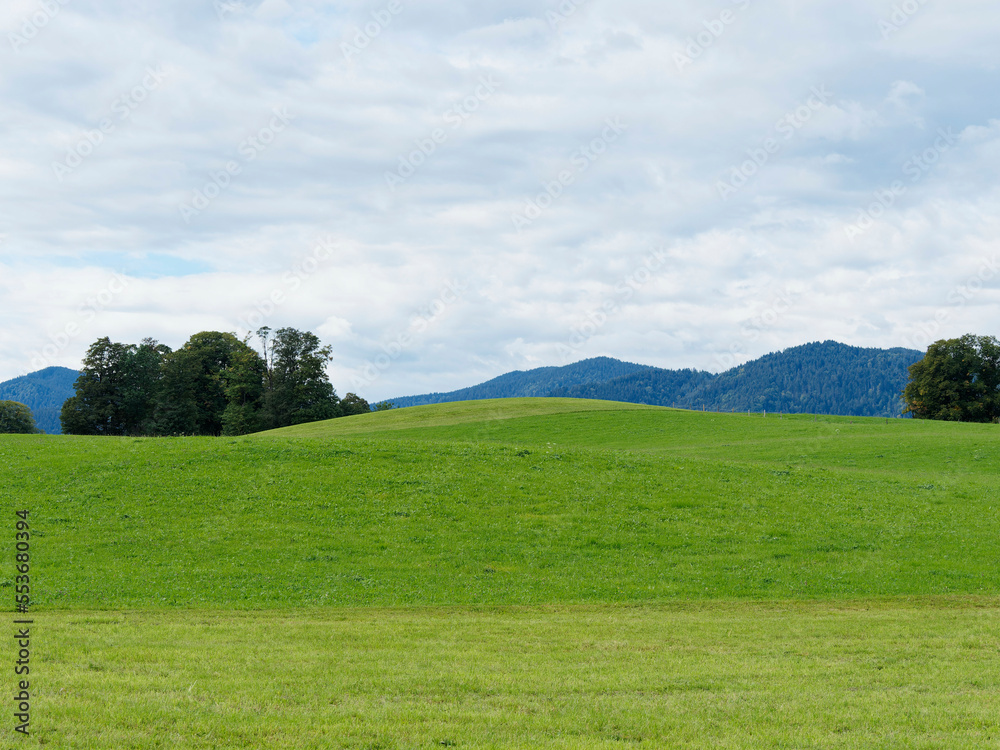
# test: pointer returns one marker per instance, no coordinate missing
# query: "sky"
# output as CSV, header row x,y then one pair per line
x,y
444,192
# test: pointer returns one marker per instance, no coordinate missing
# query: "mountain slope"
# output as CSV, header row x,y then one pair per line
x,y
820,378
44,393
817,378
538,382
653,386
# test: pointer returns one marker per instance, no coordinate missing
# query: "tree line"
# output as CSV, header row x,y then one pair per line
x,y
215,384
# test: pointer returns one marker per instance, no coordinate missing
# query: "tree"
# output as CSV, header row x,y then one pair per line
x,y
957,380
201,382
298,388
384,406
176,410
244,382
142,367
16,419
353,404
115,391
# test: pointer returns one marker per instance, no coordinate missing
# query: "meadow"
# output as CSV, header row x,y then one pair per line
x,y
517,573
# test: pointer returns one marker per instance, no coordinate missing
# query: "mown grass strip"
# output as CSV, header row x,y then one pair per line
x,y
918,673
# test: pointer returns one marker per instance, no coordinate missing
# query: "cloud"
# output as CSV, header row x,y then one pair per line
x,y
153,107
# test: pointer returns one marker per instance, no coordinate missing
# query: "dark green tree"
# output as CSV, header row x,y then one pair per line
x,y
143,366
109,397
244,381
957,380
176,406
16,419
298,388
354,404
201,380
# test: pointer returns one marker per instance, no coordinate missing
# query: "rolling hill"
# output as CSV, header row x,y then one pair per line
x,y
817,378
44,393
567,499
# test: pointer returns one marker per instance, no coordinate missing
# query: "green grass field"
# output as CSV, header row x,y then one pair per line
x,y
519,573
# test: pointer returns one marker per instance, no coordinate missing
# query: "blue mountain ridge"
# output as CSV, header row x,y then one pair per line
x,y
817,378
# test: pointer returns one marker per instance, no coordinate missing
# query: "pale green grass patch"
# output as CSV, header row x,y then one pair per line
x,y
885,674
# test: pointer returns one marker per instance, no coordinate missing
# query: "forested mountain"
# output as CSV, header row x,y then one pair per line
x,y
651,386
538,382
44,392
818,378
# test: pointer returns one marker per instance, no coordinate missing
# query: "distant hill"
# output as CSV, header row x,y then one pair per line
x,y
818,378
44,393
539,382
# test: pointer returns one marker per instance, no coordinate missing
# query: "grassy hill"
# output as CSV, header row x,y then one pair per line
x,y
517,573
515,502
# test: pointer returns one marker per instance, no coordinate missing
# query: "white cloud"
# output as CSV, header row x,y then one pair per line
x,y
396,251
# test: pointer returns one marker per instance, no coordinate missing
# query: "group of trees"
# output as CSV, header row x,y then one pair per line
x,y
215,384
957,380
